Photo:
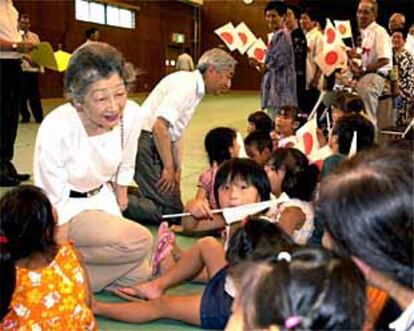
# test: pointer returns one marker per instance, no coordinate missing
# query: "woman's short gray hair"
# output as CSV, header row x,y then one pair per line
x,y
93,62
216,57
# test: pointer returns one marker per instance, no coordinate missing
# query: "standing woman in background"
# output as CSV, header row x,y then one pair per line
x,y
11,50
84,160
404,63
278,86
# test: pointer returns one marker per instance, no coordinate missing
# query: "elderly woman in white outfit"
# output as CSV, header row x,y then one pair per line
x,y
84,160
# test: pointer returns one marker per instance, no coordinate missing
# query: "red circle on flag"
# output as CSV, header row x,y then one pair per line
x,y
319,164
330,35
342,29
259,54
307,142
243,38
331,58
227,37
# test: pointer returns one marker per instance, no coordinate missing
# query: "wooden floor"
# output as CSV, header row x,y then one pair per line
x,y
228,110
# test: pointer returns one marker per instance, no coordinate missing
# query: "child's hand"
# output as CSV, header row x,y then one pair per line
x,y
199,208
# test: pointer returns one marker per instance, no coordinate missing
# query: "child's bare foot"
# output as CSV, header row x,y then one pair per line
x,y
150,290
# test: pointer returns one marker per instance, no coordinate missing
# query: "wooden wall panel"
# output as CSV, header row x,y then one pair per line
x,y
145,46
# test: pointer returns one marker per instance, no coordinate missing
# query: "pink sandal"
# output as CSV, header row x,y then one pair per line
x,y
163,246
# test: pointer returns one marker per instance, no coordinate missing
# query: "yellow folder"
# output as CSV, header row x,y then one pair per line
x,y
43,55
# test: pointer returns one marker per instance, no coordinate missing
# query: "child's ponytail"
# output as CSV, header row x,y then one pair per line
x,y
300,177
7,275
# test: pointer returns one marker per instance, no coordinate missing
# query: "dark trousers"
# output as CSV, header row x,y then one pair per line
x,y
301,92
10,96
148,203
31,95
311,97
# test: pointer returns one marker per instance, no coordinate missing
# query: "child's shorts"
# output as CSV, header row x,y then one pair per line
x,y
215,308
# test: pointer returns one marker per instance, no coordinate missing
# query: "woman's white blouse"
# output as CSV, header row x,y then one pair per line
x,y
66,159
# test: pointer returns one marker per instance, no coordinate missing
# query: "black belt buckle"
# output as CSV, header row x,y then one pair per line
x,y
91,193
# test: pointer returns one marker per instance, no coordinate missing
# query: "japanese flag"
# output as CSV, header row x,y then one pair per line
x,y
354,145
228,34
330,37
319,156
344,28
258,50
307,137
246,37
237,214
334,54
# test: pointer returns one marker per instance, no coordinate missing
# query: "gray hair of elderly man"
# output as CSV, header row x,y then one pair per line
x,y
217,58
93,62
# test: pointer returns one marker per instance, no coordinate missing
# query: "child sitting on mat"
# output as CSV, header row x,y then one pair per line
x,y
309,290
255,240
293,181
44,286
221,145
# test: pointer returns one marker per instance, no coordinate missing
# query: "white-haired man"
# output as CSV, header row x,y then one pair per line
x,y
170,107
376,57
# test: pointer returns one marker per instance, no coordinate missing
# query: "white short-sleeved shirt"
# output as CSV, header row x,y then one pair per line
x,y
8,27
302,235
175,99
314,39
66,159
376,44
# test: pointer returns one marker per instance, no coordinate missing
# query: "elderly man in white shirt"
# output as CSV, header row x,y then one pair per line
x,y
376,57
170,107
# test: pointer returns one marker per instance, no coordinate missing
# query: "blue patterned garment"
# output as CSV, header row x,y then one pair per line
x,y
279,81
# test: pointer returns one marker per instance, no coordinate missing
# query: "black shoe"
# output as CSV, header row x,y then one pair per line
x,y
9,181
25,120
23,177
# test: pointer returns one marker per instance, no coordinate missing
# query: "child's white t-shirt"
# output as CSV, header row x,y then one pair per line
x,y
302,235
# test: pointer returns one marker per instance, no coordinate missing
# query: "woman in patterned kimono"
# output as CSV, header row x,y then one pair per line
x,y
278,86
404,102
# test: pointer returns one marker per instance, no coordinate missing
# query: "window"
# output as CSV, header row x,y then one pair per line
x,y
102,13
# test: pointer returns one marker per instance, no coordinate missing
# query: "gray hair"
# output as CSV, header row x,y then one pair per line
x,y
93,62
216,57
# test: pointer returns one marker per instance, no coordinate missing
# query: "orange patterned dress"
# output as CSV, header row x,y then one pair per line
x,y
51,298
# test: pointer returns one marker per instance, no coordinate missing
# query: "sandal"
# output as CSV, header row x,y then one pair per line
x,y
163,246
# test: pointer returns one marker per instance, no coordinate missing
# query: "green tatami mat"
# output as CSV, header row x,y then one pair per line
x,y
186,288
106,324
